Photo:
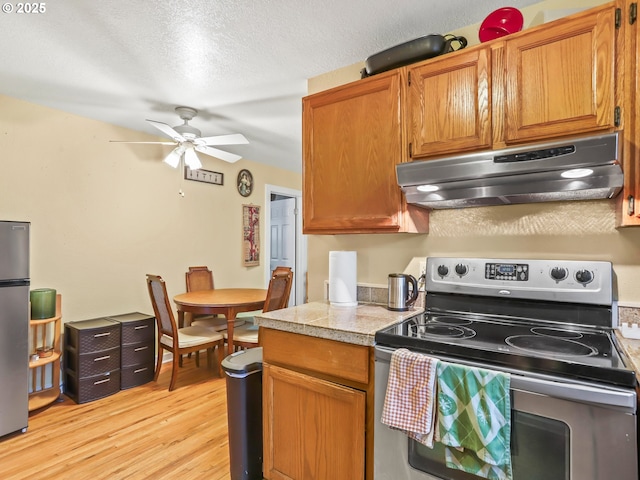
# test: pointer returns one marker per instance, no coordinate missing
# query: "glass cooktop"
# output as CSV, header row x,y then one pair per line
x,y
558,349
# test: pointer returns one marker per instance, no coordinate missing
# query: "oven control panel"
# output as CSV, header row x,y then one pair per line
x,y
589,282
518,272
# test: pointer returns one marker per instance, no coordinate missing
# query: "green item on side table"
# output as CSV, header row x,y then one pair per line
x,y
43,303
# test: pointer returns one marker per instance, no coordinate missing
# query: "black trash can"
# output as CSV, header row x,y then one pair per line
x,y
244,412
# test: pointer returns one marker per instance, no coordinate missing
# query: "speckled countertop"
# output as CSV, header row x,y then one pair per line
x,y
630,346
356,325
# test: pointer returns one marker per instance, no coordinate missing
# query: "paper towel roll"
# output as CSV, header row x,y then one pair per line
x,y
343,275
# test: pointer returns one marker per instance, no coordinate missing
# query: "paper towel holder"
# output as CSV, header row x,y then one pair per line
x,y
343,287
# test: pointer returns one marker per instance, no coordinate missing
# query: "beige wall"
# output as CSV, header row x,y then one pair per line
x,y
571,230
103,214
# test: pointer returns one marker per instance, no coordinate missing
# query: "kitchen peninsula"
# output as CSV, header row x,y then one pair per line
x,y
318,387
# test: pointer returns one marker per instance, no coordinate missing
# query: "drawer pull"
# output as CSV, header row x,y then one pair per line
x,y
106,334
140,349
102,381
106,357
140,370
140,327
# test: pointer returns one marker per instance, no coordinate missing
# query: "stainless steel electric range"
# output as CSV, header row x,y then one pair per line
x,y
549,323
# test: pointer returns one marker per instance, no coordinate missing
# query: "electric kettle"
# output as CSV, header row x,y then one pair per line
x,y
401,297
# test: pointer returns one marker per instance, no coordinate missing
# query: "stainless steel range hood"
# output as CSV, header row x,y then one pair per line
x,y
579,168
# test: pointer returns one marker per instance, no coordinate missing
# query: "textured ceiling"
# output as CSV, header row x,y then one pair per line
x,y
242,63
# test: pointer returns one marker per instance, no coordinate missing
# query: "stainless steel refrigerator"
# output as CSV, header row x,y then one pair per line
x,y
14,326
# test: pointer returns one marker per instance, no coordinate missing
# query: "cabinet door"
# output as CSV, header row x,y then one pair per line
x,y
313,429
628,203
448,105
560,79
352,142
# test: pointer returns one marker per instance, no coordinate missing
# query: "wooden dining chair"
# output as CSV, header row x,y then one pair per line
x,y
201,278
198,278
179,341
246,336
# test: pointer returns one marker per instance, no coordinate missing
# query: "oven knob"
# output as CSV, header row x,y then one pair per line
x,y
558,273
443,270
461,269
584,276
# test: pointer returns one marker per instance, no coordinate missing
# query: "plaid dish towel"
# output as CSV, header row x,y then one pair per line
x,y
409,403
474,417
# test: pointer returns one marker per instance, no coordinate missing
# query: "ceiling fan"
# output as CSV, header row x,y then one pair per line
x,y
189,139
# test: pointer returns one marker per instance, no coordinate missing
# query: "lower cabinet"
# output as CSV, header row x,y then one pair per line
x,y
320,423
317,408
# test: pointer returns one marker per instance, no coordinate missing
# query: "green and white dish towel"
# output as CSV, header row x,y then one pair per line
x,y
474,420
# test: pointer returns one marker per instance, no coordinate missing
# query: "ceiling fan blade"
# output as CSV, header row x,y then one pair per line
x,y
167,130
151,143
234,139
221,154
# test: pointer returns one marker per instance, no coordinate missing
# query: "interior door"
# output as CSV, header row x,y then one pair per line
x,y
283,238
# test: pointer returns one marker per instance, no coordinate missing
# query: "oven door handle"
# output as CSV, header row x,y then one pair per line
x,y
605,396
574,392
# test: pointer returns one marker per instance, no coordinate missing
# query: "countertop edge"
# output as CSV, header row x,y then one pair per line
x,y
356,325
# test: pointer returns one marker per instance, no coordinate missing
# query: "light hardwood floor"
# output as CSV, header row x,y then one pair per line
x,y
144,432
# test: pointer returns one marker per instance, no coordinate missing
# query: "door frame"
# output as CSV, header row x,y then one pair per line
x,y
300,261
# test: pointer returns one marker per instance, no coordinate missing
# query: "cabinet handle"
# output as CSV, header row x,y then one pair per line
x,y
102,381
140,370
140,327
102,334
630,205
633,13
107,357
139,349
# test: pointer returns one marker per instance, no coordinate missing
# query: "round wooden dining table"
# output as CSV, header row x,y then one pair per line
x,y
226,301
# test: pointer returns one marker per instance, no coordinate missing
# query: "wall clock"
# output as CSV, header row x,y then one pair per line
x,y
245,183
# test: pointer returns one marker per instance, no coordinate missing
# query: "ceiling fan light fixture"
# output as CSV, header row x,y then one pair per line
x,y
191,159
188,139
173,159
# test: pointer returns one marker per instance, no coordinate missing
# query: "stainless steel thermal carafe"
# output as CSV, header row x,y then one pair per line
x,y
401,297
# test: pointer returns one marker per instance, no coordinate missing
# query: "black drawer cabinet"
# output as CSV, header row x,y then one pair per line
x,y
137,348
92,359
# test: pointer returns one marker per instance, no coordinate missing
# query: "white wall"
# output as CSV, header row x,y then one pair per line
x,y
103,214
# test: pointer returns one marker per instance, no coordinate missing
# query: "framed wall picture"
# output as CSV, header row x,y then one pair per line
x,y
205,176
250,235
245,183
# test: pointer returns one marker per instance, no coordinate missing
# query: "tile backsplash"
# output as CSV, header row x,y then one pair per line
x,y
629,315
367,293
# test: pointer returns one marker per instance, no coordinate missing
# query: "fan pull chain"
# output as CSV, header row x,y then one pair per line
x,y
181,184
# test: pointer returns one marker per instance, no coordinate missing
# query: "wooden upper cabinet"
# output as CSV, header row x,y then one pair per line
x,y
628,207
559,79
352,141
552,81
448,104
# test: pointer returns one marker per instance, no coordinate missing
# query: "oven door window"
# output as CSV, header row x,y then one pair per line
x,y
539,449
